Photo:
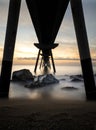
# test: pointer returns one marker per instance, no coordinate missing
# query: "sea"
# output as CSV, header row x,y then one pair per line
x,y
68,87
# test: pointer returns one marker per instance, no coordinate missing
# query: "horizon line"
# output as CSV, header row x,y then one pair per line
x,y
34,58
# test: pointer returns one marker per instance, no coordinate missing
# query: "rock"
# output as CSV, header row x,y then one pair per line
x,y
33,85
76,79
22,75
69,88
42,80
49,79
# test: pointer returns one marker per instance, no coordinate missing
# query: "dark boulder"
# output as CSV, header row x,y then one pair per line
x,y
49,79
22,75
42,80
69,88
76,78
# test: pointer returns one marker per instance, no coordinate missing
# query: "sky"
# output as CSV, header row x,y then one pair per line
x,y
26,36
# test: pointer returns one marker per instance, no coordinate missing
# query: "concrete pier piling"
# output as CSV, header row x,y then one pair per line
x,y
12,23
83,46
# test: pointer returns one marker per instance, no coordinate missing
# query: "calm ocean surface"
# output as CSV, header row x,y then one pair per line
x,y
55,91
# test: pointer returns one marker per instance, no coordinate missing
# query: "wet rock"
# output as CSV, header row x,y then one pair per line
x,y
22,75
76,78
42,80
69,88
49,79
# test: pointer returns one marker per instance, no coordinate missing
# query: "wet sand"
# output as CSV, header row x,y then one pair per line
x,y
22,114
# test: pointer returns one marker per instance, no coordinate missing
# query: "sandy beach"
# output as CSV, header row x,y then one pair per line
x,y
23,114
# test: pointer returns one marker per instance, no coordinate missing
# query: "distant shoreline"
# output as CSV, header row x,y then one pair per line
x,y
25,61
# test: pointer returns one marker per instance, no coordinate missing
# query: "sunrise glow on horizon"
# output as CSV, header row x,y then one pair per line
x,y
26,36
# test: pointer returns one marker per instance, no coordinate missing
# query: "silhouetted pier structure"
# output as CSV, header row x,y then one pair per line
x,y
46,56
47,16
